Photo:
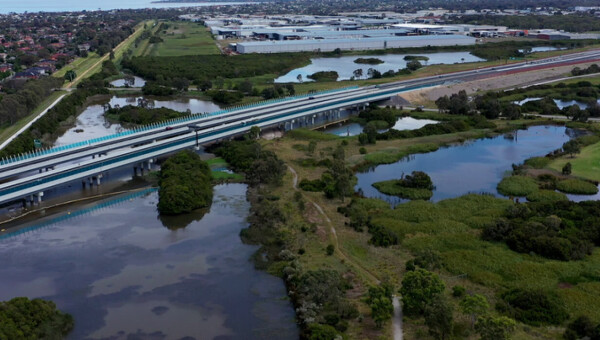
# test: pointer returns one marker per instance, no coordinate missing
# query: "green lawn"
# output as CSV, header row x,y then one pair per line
x,y
585,165
78,65
9,131
184,38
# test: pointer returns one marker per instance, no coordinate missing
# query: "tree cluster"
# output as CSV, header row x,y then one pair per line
x,y
185,184
562,230
533,307
247,156
21,318
582,328
24,98
130,114
209,67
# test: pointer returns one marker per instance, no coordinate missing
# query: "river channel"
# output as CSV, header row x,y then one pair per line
x,y
475,166
125,273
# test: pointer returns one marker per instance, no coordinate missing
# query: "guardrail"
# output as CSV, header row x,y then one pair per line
x,y
189,118
77,213
190,139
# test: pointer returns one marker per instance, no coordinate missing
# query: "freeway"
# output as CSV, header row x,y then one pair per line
x,y
79,161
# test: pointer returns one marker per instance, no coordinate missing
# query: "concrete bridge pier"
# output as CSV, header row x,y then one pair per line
x,y
98,179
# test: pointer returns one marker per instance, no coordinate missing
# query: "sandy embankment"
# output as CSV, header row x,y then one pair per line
x,y
427,96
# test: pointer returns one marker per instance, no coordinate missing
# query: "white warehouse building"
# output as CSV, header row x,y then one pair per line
x,y
376,43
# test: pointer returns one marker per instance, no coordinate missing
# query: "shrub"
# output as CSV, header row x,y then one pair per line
x,y
517,186
546,196
533,307
577,186
362,151
538,162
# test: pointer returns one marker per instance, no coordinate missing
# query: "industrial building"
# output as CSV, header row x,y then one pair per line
x,y
375,43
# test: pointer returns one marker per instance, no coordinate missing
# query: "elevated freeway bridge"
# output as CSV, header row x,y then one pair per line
x,y
23,176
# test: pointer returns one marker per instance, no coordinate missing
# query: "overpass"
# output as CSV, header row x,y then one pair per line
x,y
32,174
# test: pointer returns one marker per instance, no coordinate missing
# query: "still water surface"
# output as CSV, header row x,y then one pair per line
x,y
8,6
345,66
91,123
125,273
472,167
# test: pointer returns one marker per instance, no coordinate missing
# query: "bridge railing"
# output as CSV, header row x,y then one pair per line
x,y
192,117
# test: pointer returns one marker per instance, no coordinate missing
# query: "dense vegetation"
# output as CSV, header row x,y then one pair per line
x,y
562,230
209,67
48,125
368,61
21,318
24,97
185,184
416,186
324,76
569,23
130,114
248,157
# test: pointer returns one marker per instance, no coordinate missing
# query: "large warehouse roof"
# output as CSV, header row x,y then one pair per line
x,y
353,44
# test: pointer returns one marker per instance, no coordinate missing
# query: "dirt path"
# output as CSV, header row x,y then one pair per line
x,y
397,318
336,243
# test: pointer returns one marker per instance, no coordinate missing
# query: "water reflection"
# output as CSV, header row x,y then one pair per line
x,y
137,82
124,276
403,123
91,123
345,66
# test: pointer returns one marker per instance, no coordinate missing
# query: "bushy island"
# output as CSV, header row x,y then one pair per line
x,y
416,186
137,115
185,184
324,76
21,318
368,61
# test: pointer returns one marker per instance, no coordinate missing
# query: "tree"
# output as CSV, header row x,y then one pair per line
x,y
111,56
439,318
380,300
419,288
413,65
254,132
312,146
358,73
246,86
299,78
492,328
371,133
571,147
582,328
566,170
330,249
70,75
181,84
21,318
474,306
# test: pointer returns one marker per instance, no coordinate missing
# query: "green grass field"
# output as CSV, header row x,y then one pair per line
x,y
585,165
78,65
184,38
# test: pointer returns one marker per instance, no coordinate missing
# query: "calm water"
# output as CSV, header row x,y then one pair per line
x,y
137,82
345,66
404,123
125,273
8,6
92,124
475,166
560,103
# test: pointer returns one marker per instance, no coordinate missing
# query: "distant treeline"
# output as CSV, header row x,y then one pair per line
x,y
570,23
210,67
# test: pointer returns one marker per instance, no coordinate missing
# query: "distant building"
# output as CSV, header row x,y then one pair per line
x,y
376,43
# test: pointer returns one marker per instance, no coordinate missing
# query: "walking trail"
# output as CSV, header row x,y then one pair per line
x,y
397,319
